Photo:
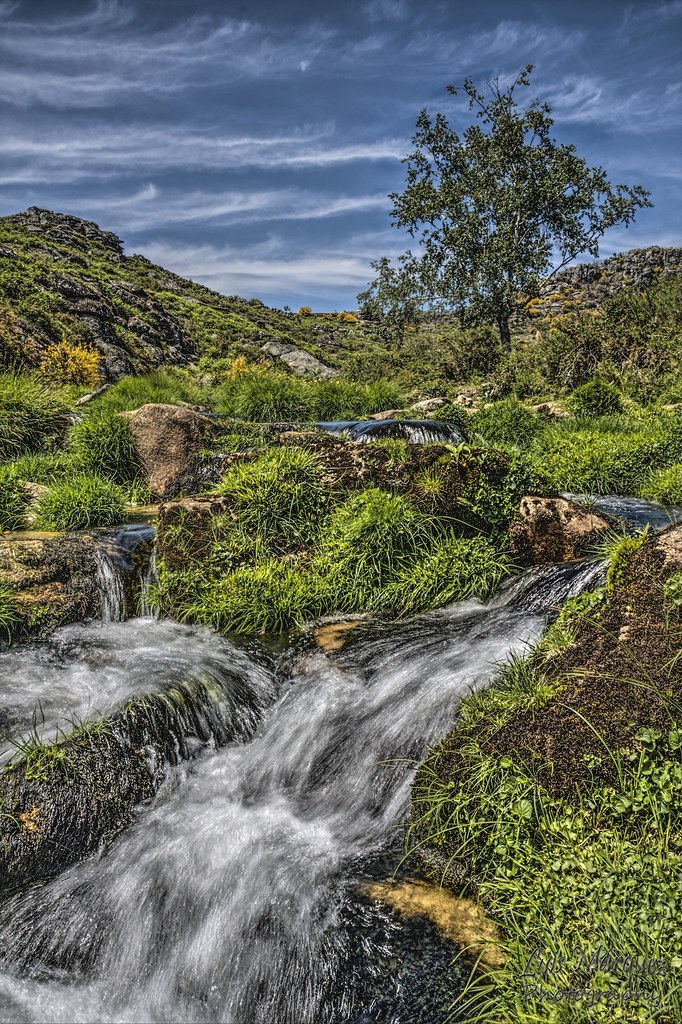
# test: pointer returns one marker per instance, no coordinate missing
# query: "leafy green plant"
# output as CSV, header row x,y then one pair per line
x,y
595,398
79,502
104,446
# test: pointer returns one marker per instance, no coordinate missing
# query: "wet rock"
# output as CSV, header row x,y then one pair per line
x,y
549,530
169,440
72,797
53,578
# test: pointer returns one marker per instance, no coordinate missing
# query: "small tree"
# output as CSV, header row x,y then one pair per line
x,y
492,211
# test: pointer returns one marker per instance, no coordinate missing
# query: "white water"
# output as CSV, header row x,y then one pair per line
x,y
236,895
231,896
413,431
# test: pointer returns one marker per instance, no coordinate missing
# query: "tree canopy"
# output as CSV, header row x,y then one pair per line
x,y
495,211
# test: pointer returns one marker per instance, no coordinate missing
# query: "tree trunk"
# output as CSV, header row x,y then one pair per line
x,y
505,333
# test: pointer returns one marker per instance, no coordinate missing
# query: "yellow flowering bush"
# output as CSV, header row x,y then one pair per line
x,y
64,363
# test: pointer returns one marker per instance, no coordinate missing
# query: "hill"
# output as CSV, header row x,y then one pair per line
x,y
60,275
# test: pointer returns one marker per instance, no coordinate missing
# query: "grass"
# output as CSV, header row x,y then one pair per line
x,y
270,597
14,500
8,611
609,455
103,445
167,386
664,485
507,422
457,568
366,541
277,499
32,414
79,502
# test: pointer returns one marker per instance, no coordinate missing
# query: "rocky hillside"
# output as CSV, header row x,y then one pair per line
x,y
63,276
587,285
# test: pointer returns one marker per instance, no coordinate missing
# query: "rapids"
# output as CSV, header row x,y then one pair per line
x,y
236,895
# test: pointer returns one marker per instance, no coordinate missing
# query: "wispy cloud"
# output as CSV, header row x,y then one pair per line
x,y
152,208
589,99
100,57
101,150
267,267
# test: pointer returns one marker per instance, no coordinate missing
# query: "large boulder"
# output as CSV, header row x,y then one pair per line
x,y
548,530
169,440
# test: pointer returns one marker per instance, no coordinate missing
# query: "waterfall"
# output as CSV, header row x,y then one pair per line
x,y
110,587
412,431
124,570
238,892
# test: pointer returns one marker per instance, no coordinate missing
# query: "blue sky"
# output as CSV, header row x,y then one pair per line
x,y
251,146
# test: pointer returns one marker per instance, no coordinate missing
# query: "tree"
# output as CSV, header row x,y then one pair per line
x,y
492,210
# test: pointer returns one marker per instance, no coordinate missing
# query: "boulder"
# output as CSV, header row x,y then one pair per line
x,y
53,579
549,530
427,405
169,441
386,414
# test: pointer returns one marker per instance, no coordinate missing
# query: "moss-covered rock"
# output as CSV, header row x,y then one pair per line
x,y
53,580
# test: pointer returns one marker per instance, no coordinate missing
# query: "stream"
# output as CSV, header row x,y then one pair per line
x,y
237,894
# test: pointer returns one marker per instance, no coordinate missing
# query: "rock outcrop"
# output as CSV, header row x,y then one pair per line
x,y
587,285
53,578
169,441
64,276
550,530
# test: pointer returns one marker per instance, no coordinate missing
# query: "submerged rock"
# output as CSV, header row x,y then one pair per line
x,y
169,440
549,530
66,800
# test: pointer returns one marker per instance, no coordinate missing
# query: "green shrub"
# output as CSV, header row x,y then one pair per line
x,y
595,398
167,387
270,597
14,500
42,467
601,460
365,542
664,485
457,568
80,502
32,414
103,445
268,395
277,498
508,422
8,611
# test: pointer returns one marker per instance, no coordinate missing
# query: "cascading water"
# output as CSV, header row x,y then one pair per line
x,y
413,431
123,578
237,894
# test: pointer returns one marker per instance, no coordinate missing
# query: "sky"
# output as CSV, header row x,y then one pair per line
x,y
252,146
